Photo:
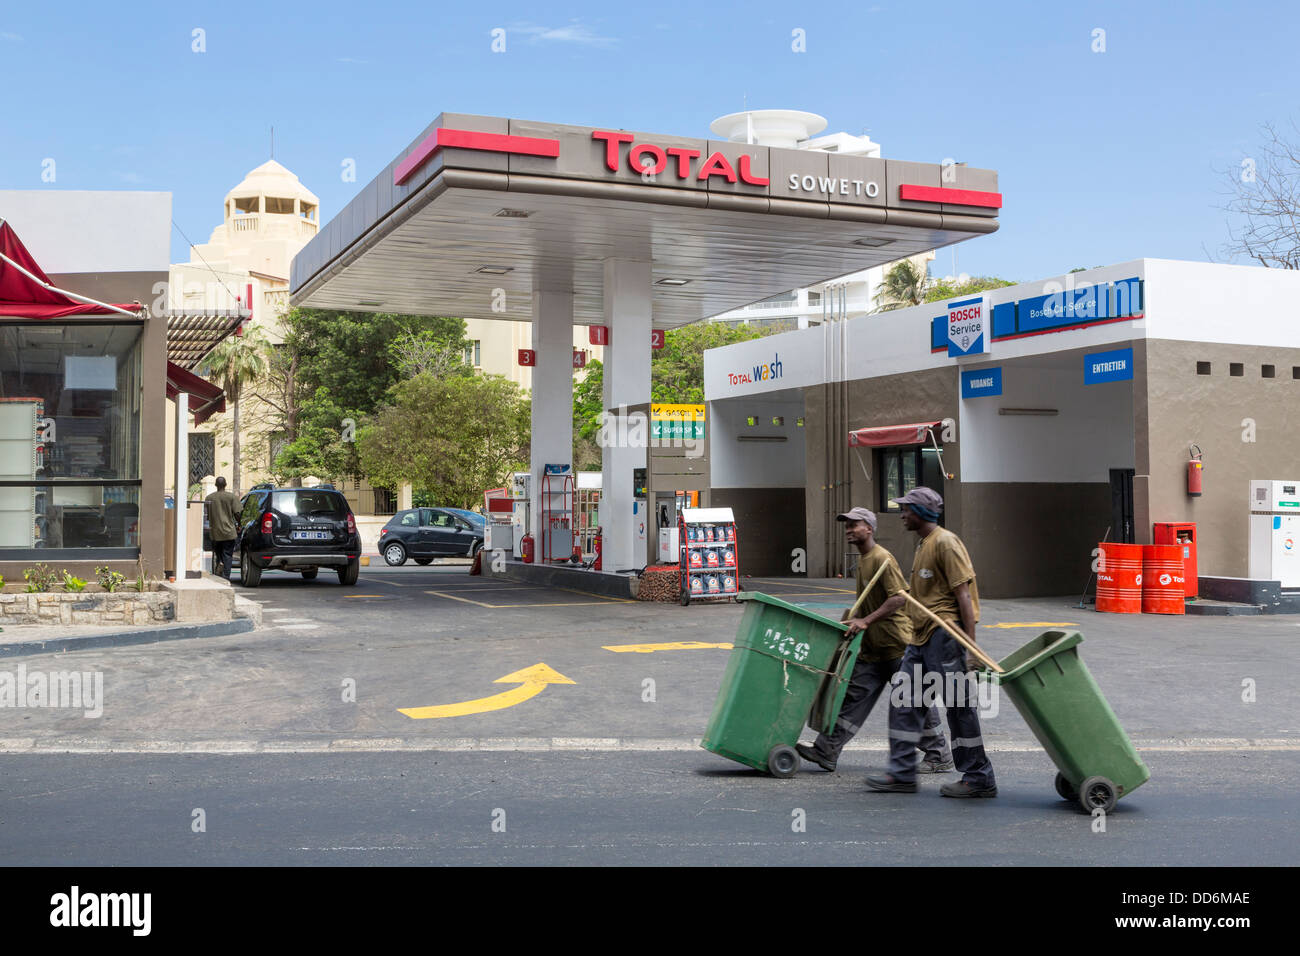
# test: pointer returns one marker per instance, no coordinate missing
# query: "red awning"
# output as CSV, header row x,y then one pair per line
x,y
30,296
206,399
891,435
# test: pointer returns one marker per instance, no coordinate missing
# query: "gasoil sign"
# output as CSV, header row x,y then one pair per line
x,y
966,327
676,421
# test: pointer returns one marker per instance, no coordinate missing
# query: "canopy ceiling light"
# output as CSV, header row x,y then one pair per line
x,y
1028,411
872,243
671,281
513,213
494,270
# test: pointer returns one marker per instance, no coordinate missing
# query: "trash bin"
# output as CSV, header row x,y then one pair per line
x,y
1055,693
1182,533
785,662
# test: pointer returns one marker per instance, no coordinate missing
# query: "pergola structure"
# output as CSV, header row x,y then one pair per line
x,y
486,217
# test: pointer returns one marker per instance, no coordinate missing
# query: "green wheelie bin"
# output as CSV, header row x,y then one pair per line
x,y
1055,693
788,666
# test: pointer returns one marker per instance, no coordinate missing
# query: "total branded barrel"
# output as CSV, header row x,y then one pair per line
x,y
1163,587
1119,578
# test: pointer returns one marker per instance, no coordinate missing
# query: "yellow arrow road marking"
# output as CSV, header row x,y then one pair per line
x,y
1035,624
532,681
651,648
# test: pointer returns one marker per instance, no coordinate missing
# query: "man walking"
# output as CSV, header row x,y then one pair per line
x,y
943,581
888,629
222,509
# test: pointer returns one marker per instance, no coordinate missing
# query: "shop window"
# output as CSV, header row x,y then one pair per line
x,y
1236,369
751,421
778,421
1267,371
70,398
1202,368
798,423
903,468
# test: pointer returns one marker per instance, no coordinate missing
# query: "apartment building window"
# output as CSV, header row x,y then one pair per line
x,y
474,353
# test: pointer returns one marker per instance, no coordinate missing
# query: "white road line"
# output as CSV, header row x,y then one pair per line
x,y
293,627
292,620
28,745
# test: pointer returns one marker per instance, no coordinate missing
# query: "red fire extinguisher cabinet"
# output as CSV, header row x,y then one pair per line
x,y
1181,533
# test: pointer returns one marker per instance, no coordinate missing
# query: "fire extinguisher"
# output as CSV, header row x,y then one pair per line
x,y
526,548
596,563
1194,472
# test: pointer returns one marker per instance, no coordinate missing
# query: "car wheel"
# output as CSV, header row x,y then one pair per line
x,y
423,561
250,576
394,555
478,546
310,574
348,573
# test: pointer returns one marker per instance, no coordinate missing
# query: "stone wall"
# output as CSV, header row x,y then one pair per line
x,y
134,607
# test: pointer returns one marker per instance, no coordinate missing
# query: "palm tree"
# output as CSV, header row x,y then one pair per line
x,y
905,285
237,361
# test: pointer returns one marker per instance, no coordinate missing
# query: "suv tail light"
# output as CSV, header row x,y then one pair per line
x,y
352,524
267,520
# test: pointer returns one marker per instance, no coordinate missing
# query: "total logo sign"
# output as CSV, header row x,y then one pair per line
x,y
647,158
760,373
1288,544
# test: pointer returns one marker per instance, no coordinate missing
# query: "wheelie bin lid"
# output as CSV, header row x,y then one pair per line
x,y
1030,655
787,606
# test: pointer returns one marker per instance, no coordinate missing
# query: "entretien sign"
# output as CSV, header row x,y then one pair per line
x,y
966,327
1114,366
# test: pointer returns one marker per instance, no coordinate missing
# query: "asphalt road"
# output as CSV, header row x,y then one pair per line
x,y
646,809
294,741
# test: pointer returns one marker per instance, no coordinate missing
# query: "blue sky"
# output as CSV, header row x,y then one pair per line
x,y
1102,156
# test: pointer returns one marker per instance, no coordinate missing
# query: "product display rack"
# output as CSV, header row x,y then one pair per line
x,y
557,500
709,555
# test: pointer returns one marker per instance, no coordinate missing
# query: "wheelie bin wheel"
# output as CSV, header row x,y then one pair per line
x,y
1066,791
1097,793
783,761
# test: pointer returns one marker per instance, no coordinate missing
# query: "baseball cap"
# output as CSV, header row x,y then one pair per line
x,y
925,497
858,514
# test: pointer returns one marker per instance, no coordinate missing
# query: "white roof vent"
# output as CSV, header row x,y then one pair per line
x,y
779,128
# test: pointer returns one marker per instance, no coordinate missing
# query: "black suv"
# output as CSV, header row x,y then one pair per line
x,y
296,529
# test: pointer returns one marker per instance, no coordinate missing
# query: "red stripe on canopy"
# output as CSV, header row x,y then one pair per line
x,y
206,399
891,435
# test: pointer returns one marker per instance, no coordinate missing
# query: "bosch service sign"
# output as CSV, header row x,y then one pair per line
x,y
966,328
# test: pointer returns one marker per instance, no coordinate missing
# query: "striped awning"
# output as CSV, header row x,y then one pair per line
x,y
191,335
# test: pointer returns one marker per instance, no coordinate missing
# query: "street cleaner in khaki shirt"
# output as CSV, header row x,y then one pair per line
x,y
943,580
888,631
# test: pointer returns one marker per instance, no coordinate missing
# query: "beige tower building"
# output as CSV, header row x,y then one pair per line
x,y
266,219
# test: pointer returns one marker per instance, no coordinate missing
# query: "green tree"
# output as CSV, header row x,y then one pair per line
x,y
451,436
236,362
941,290
339,367
904,285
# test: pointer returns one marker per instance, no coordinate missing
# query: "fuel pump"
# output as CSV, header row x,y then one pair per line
x,y
641,517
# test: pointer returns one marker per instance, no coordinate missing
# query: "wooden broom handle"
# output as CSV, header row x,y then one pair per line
x,y
857,605
956,632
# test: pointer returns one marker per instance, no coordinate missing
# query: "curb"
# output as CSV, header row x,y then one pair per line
x,y
178,632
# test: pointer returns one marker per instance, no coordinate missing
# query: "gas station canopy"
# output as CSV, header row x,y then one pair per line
x,y
478,204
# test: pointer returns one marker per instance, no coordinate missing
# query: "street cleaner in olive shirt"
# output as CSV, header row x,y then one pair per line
x,y
943,581
888,629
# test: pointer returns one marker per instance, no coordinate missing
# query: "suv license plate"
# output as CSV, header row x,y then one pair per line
x,y
311,535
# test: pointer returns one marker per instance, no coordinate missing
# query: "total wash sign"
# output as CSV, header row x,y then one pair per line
x,y
966,333
761,373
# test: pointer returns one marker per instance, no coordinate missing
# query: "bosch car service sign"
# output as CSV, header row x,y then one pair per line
x,y
966,327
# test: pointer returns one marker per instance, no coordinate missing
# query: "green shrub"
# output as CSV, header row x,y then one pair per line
x,y
72,584
109,580
40,578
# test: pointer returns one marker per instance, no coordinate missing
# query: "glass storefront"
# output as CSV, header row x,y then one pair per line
x,y
70,404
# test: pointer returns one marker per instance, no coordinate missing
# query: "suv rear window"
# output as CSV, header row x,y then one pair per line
x,y
309,502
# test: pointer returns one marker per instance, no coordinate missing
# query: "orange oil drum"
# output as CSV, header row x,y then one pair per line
x,y
1119,578
1163,587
